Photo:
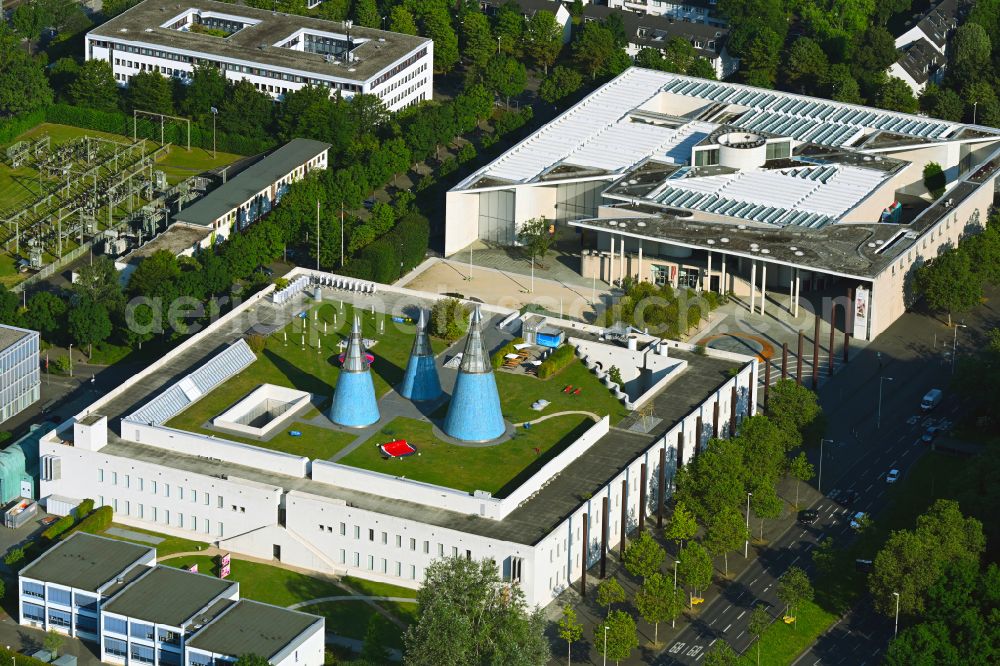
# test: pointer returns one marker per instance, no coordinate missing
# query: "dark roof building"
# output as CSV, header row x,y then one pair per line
x,y
180,595
250,627
87,562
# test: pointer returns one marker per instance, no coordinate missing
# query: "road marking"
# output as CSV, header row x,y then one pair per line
x,y
803,533
695,649
713,642
893,463
795,560
754,581
727,627
677,647
767,588
741,615
870,486
713,622
809,547
699,656
740,634
727,609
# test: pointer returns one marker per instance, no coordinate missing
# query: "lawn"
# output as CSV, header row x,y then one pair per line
x,y
168,546
311,366
281,587
496,469
518,391
781,643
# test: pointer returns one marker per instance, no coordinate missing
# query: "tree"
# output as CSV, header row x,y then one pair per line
x,y
88,323
943,103
896,95
657,601
53,642
594,49
9,305
28,19
609,592
150,91
465,608
508,26
437,25
797,413
681,526
374,649
643,557
534,236
875,51
251,659
570,630
702,69
842,85
934,179
800,469
982,105
763,451
449,319
23,86
758,622
969,52
245,111
679,55
721,654
155,275
620,638
695,568
208,87
794,587
766,505
948,282
366,13
543,38
401,21
561,83
807,66
762,57
505,76
714,480
726,531
100,282
912,560
46,314
94,86
478,43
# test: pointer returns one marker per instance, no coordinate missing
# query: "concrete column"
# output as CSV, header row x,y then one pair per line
x,y
698,429
798,292
715,417
784,360
706,283
680,449
583,556
815,368
833,342
753,284
622,274
732,412
611,267
642,497
661,488
604,536
621,545
798,353
639,274
724,283
763,286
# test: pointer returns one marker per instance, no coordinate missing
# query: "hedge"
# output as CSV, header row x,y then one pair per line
x,y
499,355
14,126
556,361
58,527
86,506
22,659
95,523
400,250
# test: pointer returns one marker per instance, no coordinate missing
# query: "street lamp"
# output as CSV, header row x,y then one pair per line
x,y
71,359
215,112
878,413
954,344
673,622
819,483
605,643
746,544
896,631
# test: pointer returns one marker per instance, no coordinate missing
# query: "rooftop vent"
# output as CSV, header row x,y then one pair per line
x,y
724,240
710,241
640,224
799,253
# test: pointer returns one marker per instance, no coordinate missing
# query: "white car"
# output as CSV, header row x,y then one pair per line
x,y
857,518
892,476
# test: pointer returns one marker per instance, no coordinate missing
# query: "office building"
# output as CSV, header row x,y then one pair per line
x,y
20,381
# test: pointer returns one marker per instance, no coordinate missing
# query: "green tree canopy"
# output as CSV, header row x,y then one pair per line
x,y
800,469
543,38
570,630
88,323
643,556
468,615
721,654
595,48
695,568
969,51
797,413
794,587
401,21
726,531
366,13
559,84
949,283
23,86
94,86
621,636
896,95
46,314
610,592
150,91
714,480
657,601
807,66
681,525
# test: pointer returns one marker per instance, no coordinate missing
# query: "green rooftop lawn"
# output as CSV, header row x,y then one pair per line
x,y
496,469
310,367
518,391
281,587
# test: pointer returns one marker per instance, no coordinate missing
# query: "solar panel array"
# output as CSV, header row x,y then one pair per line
x,y
807,197
806,119
230,361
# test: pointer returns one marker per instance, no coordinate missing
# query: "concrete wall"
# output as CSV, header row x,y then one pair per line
x,y
293,400
461,225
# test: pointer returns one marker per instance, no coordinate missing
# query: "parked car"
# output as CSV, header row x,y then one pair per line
x,y
857,519
863,566
849,498
929,435
808,516
892,476
931,400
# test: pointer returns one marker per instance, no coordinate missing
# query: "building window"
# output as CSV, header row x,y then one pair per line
x,y
413,544
371,535
30,589
343,529
115,625
100,475
115,647
357,532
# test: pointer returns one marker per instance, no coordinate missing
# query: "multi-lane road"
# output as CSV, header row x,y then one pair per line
x,y
857,460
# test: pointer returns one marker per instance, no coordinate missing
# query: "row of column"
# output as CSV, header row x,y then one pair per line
x,y
661,485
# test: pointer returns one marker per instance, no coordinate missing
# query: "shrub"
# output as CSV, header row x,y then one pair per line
x,y
280,283
449,319
84,509
57,528
556,361
509,348
448,166
934,179
13,556
257,342
616,375
466,153
95,523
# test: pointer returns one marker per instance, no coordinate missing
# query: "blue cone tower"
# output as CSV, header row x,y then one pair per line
x,y
354,403
421,379
474,413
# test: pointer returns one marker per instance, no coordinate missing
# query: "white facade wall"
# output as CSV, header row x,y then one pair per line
x,y
411,84
307,650
20,381
677,10
162,498
62,609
